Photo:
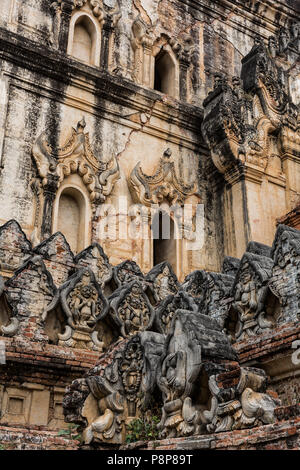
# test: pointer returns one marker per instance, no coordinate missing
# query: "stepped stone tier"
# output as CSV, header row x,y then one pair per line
x,y
97,345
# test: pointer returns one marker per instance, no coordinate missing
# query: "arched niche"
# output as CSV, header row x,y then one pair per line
x,y
164,239
166,71
85,38
72,213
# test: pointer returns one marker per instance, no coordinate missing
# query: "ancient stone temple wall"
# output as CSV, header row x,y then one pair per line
x,y
117,116
105,103
96,346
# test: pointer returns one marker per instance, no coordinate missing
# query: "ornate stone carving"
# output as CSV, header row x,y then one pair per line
x,y
98,8
75,156
194,285
240,406
57,256
163,281
250,291
131,309
95,258
126,272
166,310
119,388
218,297
230,265
239,118
180,367
285,279
84,305
163,184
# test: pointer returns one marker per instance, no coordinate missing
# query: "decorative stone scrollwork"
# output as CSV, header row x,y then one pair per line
x,y
131,308
27,304
76,156
84,305
163,281
194,285
241,406
95,258
164,183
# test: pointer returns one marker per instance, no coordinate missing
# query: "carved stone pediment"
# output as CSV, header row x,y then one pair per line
x,y
28,293
192,338
101,11
76,156
230,265
84,305
126,272
194,284
217,298
285,279
166,310
57,256
163,184
163,281
15,248
242,403
249,294
95,258
131,309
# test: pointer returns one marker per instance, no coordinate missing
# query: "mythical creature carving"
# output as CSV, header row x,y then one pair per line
x,y
240,406
285,280
84,305
250,291
95,258
116,390
131,308
163,184
163,281
239,118
26,308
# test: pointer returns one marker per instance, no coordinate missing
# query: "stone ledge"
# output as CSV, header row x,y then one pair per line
x,y
34,438
282,435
